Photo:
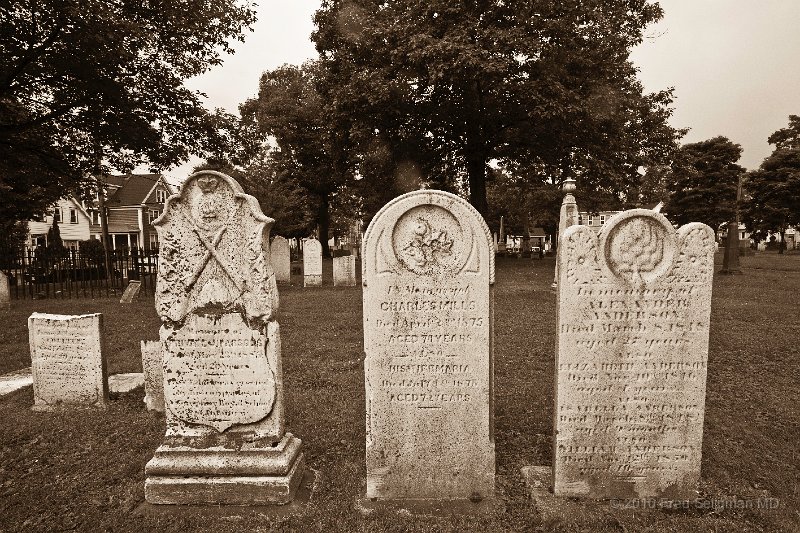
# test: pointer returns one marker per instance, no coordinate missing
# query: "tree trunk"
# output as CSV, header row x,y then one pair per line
x,y
324,220
476,152
782,244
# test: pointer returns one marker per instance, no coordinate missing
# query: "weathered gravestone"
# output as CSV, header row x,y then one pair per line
x,y
312,263
5,293
67,361
344,271
281,259
632,347
428,273
131,292
153,375
223,388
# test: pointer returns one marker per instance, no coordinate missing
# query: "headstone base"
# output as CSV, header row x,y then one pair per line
x,y
539,480
248,474
312,281
367,506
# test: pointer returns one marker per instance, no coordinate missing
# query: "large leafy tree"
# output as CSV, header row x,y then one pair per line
x,y
543,88
704,182
84,83
773,202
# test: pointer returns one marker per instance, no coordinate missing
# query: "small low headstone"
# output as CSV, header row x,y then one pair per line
x,y
312,263
217,297
428,275
67,361
344,271
5,293
281,259
152,362
122,383
633,318
131,292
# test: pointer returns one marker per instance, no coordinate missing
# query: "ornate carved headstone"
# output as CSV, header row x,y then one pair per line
x,y
428,272
223,393
152,366
344,271
633,321
312,263
67,361
281,259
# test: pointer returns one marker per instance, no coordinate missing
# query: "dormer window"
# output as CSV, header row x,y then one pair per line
x,y
161,196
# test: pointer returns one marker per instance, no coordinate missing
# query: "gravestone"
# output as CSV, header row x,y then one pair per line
x,y
131,292
632,347
312,263
223,388
153,375
568,216
281,259
67,361
5,293
428,273
344,271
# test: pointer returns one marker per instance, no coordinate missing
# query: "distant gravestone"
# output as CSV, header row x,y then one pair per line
x,y
67,361
131,292
152,366
312,263
344,271
632,348
428,275
5,293
223,387
281,259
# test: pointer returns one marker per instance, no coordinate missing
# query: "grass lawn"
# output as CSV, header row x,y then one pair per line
x,y
85,471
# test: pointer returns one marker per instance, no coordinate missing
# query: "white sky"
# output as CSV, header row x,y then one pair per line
x,y
735,65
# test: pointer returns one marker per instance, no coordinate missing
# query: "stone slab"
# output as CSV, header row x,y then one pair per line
x,y
5,292
14,381
67,361
281,259
427,275
633,313
131,292
312,263
344,271
122,383
152,365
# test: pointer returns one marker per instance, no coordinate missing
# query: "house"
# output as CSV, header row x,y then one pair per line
x,y
596,221
133,202
74,224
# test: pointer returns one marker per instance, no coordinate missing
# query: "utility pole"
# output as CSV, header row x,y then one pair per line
x,y
730,262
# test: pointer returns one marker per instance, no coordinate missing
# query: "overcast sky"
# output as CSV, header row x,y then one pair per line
x,y
733,64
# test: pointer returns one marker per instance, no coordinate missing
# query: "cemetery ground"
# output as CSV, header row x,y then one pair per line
x,y
84,470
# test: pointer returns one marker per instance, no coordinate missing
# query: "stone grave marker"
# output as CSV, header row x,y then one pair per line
x,y
131,292
632,347
223,388
281,259
153,375
344,271
312,263
67,361
428,273
5,292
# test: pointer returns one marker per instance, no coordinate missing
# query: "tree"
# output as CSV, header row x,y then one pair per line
x,y
542,88
84,83
55,245
773,202
704,181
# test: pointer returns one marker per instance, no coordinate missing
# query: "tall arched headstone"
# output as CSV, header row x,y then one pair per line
x,y
428,271
632,348
312,263
223,386
281,259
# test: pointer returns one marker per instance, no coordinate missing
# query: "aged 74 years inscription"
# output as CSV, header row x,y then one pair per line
x,y
633,322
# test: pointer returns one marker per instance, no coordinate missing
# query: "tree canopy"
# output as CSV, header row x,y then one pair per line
x,y
81,82
443,91
704,182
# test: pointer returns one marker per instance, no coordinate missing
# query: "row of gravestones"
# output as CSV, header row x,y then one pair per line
x,y
633,312
344,267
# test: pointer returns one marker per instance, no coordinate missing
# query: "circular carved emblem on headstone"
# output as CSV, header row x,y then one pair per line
x,y
429,240
639,246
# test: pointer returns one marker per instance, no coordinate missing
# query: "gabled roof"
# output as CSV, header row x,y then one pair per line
x,y
538,232
133,188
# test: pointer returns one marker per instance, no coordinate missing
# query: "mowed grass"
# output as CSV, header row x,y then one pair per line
x,y
84,471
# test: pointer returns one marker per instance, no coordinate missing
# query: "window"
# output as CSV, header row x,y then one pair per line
x,y
602,219
589,220
57,214
152,215
96,217
153,241
161,196
73,215
580,220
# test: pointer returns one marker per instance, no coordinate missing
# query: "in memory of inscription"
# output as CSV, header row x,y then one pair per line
x,y
633,324
428,269
67,361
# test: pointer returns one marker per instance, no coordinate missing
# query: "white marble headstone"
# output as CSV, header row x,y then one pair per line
x,y
312,263
281,259
152,366
344,271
